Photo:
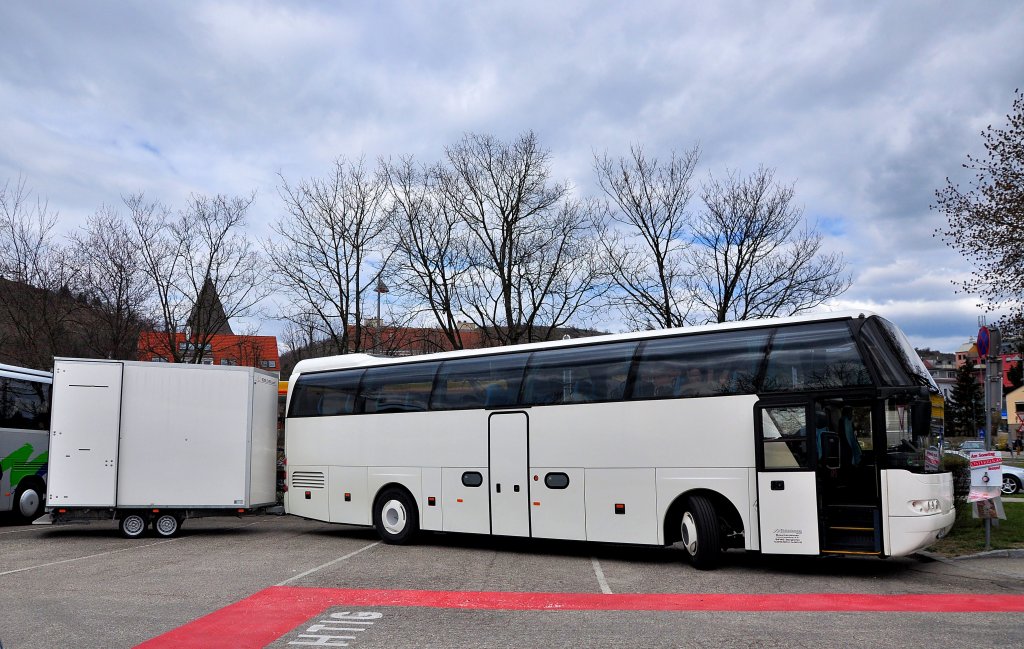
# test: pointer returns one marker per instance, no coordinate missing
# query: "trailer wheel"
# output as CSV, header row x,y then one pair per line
x,y
166,525
395,516
133,526
699,530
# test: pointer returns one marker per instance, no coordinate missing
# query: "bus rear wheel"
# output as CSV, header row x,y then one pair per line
x,y
395,516
699,533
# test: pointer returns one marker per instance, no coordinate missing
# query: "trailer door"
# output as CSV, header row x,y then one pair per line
x,y
84,427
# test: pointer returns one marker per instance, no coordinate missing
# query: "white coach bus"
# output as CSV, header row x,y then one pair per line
x,y
24,440
804,435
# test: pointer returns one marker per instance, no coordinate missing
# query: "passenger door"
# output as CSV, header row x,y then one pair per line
x,y
786,481
508,437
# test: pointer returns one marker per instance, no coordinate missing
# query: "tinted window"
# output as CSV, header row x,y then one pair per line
x,y
326,394
400,388
486,382
814,356
24,404
578,375
701,365
556,480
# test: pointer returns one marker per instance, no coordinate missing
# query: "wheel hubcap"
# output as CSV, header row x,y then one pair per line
x,y
393,517
1009,486
134,525
689,531
166,525
28,503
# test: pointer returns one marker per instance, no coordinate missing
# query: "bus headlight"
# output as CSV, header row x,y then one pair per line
x,y
930,506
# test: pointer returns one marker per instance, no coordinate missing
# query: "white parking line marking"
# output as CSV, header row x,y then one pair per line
x,y
91,556
600,576
329,563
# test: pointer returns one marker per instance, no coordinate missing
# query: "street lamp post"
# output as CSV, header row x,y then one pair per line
x,y
380,288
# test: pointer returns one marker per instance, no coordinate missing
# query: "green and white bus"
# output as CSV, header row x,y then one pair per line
x,y
24,440
806,435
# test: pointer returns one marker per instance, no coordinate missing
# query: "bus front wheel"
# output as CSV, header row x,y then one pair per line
x,y
28,503
699,532
395,516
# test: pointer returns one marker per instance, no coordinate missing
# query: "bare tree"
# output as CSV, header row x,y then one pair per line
x,y
532,250
203,268
645,254
112,277
37,307
431,260
985,220
330,251
750,259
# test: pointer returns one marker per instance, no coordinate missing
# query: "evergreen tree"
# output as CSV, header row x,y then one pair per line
x,y
965,411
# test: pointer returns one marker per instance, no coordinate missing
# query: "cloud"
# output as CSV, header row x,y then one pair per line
x,y
867,108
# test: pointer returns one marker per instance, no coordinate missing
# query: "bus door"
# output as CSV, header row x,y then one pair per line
x,y
509,469
787,491
847,475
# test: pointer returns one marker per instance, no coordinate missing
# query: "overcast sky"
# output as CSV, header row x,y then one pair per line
x,y
867,107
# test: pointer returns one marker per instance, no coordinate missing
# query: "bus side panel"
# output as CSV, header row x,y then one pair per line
x,y
466,508
409,477
307,492
711,432
558,513
733,484
431,518
348,495
636,520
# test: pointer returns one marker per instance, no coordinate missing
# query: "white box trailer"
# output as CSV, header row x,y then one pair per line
x,y
159,442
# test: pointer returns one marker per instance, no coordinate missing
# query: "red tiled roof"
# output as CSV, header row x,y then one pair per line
x,y
251,351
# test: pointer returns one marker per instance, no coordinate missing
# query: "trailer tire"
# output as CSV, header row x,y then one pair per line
x,y
167,525
133,526
395,516
28,502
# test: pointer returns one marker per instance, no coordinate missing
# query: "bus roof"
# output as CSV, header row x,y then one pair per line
x,y
345,361
15,372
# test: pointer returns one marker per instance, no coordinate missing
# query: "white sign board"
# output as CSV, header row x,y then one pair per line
x,y
986,469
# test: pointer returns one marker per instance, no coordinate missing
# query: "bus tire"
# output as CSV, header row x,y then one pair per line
x,y
166,525
28,502
698,528
133,526
395,516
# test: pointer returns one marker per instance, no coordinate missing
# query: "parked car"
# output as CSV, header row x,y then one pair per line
x,y
1013,480
972,445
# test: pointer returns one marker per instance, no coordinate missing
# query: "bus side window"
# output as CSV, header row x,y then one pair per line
x,y
488,381
579,375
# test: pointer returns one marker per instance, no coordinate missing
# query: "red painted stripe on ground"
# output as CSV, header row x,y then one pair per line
x,y
267,615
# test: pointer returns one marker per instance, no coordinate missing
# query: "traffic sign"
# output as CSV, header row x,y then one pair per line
x,y
983,340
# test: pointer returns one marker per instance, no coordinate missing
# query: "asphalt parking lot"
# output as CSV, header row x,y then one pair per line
x,y
281,581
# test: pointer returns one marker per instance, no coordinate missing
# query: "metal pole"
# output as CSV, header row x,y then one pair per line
x,y
988,436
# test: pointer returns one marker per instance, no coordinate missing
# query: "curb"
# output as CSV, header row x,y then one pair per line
x,y
1014,553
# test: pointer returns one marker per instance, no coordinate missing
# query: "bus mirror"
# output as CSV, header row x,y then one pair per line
x,y
921,418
